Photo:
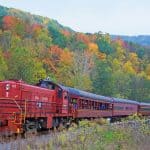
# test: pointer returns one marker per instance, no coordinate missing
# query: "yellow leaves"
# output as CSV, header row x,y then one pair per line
x,y
46,21
66,57
142,74
116,64
128,68
93,47
147,71
133,58
93,50
120,53
39,73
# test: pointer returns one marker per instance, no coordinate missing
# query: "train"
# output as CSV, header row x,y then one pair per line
x,y
46,105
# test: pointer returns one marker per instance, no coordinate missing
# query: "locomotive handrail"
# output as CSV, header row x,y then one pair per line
x,y
25,111
16,104
13,100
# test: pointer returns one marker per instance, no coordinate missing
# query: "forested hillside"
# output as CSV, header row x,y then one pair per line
x,y
34,47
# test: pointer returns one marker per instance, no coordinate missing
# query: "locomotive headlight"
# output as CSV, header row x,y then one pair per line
x,y
7,87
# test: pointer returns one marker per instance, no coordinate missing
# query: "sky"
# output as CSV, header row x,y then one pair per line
x,y
123,17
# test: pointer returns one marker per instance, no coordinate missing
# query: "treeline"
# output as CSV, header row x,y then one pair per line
x,y
34,47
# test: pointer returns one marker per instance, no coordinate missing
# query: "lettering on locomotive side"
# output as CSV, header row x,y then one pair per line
x,y
37,97
45,99
13,85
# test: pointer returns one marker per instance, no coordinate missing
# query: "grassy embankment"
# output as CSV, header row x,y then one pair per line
x,y
96,135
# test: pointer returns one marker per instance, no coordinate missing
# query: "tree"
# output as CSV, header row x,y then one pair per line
x,y
128,68
23,66
93,49
74,44
83,38
65,68
121,84
5,40
3,67
57,37
104,43
140,89
103,83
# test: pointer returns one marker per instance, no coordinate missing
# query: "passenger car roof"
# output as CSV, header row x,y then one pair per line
x,y
89,95
121,100
147,104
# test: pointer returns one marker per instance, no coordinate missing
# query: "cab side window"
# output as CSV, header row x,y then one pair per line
x,y
51,86
43,85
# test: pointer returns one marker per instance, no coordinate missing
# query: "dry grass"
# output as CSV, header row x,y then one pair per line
x,y
90,136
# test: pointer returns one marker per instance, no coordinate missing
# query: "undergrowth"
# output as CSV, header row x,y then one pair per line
x,y
97,135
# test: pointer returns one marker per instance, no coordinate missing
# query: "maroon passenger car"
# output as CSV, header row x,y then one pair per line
x,y
144,109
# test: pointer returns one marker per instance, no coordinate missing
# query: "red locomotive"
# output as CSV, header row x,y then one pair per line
x,y
25,107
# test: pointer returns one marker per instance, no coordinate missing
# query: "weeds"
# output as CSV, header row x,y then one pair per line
x,y
92,135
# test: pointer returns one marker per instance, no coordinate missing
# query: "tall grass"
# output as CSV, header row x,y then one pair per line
x,y
92,135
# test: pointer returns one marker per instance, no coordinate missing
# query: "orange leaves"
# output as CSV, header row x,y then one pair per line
x,y
55,52
9,22
65,33
36,29
66,57
82,37
51,57
93,48
55,56
16,25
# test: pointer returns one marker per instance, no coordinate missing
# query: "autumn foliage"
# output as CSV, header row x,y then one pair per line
x,y
33,47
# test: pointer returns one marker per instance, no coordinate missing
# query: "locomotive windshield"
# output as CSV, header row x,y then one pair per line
x,y
46,84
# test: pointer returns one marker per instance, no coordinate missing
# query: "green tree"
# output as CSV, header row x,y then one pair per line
x,y
103,83
104,43
57,37
3,66
22,65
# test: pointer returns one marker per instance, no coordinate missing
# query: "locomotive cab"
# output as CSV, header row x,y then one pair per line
x,y
46,84
61,95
